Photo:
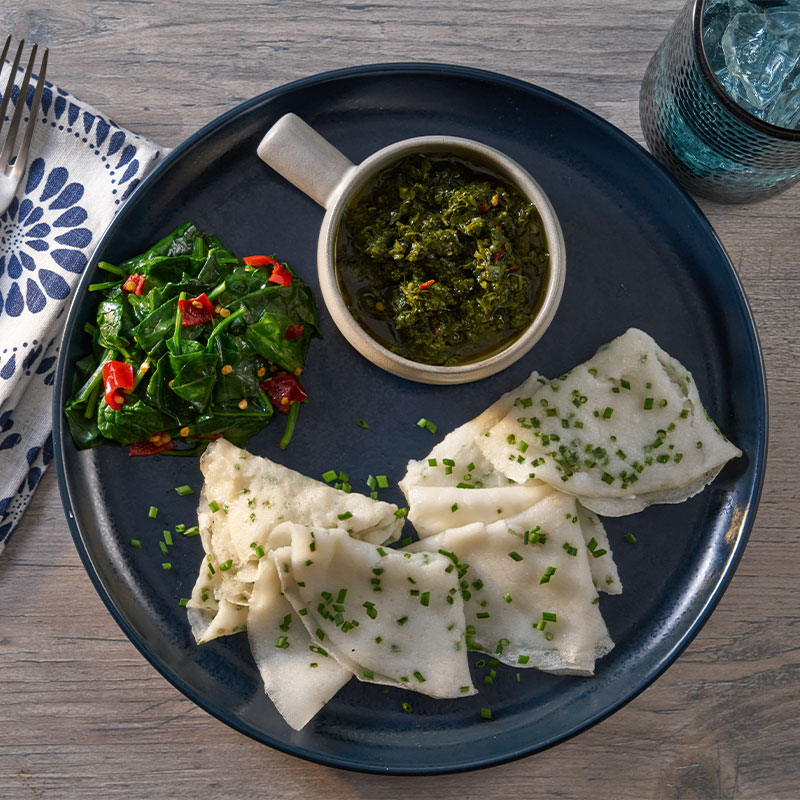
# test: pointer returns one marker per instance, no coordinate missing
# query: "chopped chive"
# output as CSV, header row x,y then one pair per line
x,y
361,424
168,537
368,673
592,544
214,506
523,659
648,403
549,616
419,676
136,543
448,462
422,422
282,643
406,542
608,412
401,512
432,462
407,707
431,426
163,548
193,531
598,553
184,601
383,481
153,512
630,538
180,528
516,556
371,482
483,615
381,552
624,384
166,565
486,713
346,515
226,565
424,598
463,689
548,573
402,620
507,597
330,475
184,490
454,507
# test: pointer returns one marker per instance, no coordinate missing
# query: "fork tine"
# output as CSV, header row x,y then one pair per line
x,y
5,156
22,155
5,51
10,85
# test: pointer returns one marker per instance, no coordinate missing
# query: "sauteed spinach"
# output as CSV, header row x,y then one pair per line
x,y
191,343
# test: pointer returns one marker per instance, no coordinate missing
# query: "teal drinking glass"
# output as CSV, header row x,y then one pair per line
x,y
712,145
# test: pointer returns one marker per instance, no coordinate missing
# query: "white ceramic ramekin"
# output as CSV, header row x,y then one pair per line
x,y
298,153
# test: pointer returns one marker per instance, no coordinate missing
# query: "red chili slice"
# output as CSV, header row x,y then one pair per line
x,y
283,389
281,276
261,261
512,268
149,448
500,253
210,437
117,376
294,332
427,284
134,284
196,311
483,208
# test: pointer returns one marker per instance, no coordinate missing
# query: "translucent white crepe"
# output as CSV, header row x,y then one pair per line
x,y
253,495
298,680
529,604
461,447
389,617
601,559
621,431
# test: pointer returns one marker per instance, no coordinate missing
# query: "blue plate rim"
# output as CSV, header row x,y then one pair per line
x,y
396,68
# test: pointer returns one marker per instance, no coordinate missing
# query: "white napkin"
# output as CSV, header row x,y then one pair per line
x,y
81,168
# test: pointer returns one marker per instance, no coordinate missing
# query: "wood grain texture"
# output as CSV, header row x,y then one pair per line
x,y
85,716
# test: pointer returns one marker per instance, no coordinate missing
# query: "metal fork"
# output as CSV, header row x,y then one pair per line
x,y
13,163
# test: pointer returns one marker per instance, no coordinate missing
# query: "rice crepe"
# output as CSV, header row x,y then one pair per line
x,y
620,431
389,617
527,588
297,680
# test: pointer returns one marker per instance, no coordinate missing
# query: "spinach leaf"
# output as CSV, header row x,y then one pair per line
x,y
179,242
268,339
114,321
243,380
84,430
235,425
154,329
133,422
195,375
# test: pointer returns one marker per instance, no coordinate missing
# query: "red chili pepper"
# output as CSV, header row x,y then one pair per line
x,y
196,311
483,208
210,437
149,448
261,261
284,389
294,332
281,276
134,284
500,253
512,268
117,376
427,284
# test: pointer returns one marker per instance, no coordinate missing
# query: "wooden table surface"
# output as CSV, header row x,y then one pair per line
x,y
85,716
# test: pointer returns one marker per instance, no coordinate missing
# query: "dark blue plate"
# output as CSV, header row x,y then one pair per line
x,y
639,253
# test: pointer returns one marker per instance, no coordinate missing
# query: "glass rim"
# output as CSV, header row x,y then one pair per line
x,y
789,134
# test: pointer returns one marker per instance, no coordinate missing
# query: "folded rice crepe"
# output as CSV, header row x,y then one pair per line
x,y
298,680
252,496
621,431
461,447
529,604
389,617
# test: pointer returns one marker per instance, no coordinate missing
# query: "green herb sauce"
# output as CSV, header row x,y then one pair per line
x,y
440,261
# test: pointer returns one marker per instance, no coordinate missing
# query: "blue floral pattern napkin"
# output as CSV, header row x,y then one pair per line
x,y
82,167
